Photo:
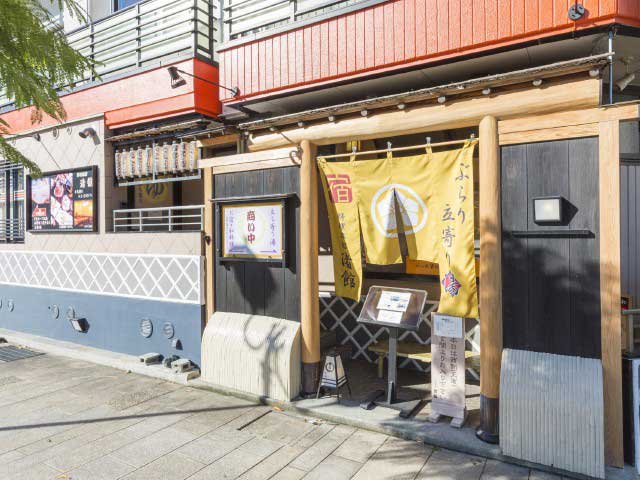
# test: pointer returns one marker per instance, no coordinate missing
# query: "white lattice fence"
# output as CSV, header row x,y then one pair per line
x,y
155,277
341,315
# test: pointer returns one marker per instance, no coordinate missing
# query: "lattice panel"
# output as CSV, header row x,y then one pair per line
x,y
341,315
154,277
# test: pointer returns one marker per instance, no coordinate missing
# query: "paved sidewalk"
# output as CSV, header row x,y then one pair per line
x,y
66,419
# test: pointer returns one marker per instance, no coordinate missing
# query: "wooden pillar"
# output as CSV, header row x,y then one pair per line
x,y
309,290
609,185
207,222
490,280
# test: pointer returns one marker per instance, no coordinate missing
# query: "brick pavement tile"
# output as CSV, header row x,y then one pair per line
x,y
214,445
172,466
323,448
249,416
203,422
229,467
495,470
261,447
103,468
448,465
335,468
39,471
315,435
360,446
396,459
280,427
289,473
147,449
273,464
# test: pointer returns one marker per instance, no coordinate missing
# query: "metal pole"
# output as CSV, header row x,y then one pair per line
x,y
393,368
611,34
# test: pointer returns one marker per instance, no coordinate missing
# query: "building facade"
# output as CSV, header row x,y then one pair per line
x,y
201,105
138,291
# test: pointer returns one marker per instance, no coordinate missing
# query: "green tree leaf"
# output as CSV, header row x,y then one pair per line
x,y
35,61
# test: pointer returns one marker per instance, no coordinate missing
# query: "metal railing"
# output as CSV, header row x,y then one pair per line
x,y
12,230
152,32
246,17
161,219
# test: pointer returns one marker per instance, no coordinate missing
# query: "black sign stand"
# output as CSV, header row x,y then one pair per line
x,y
410,321
405,407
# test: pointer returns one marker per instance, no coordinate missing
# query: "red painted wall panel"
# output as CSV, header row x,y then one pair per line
x,y
138,98
401,33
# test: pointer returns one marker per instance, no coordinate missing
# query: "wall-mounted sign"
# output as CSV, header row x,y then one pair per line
x,y
63,201
253,230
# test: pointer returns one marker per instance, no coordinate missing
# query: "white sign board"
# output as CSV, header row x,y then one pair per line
x,y
447,326
252,230
448,369
395,301
389,316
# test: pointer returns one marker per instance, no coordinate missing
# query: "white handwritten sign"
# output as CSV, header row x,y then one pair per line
x,y
448,369
252,230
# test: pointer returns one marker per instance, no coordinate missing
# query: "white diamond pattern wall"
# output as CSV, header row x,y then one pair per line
x,y
341,315
174,278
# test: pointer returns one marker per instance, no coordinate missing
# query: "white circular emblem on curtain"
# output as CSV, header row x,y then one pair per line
x,y
412,210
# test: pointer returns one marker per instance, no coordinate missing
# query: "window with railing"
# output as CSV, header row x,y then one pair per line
x,y
12,204
248,17
145,34
122,4
163,219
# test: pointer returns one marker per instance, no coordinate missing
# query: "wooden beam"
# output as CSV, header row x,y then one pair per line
x,y
621,112
309,288
549,134
609,195
208,244
281,157
490,279
229,139
553,97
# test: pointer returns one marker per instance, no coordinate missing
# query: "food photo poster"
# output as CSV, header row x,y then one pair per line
x,y
63,201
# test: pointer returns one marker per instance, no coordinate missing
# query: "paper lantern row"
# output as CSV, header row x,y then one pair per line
x,y
156,159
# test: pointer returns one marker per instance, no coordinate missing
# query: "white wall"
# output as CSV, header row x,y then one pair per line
x,y
60,148
94,10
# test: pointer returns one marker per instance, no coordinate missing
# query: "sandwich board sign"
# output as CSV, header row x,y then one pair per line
x,y
448,369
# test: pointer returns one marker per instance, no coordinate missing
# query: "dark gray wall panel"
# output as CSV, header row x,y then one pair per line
x,y
630,230
114,322
261,288
551,299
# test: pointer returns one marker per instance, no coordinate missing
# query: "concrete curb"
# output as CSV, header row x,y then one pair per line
x,y
118,361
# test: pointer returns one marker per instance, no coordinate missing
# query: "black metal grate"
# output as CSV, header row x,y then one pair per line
x,y
9,353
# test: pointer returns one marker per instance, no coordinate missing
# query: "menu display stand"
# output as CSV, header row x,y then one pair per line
x,y
395,309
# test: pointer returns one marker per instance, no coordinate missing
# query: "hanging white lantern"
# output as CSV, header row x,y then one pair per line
x,y
148,156
139,162
174,156
132,162
116,159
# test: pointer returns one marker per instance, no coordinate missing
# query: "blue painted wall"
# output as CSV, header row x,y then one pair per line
x,y
114,322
